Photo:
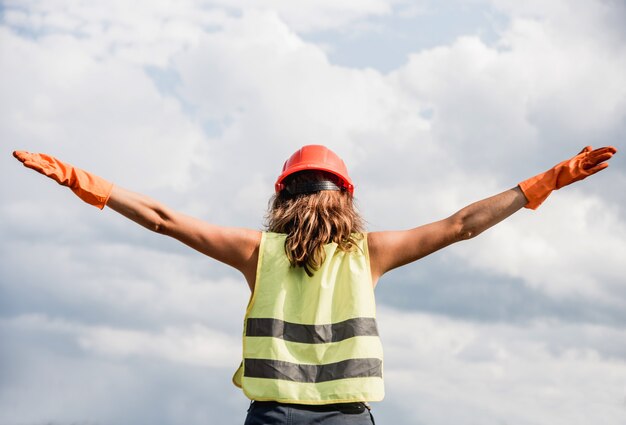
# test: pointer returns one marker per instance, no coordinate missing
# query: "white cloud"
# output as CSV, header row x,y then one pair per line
x,y
269,92
47,364
490,373
195,345
198,345
539,372
143,282
316,15
568,252
66,102
495,106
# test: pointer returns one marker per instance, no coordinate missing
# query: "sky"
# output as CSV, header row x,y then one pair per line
x,y
432,104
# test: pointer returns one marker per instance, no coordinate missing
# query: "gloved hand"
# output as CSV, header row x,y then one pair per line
x,y
90,188
587,162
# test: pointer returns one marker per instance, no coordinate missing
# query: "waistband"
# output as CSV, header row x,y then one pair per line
x,y
341,407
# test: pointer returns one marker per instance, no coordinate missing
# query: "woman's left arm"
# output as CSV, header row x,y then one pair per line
x,y
234,246
237,247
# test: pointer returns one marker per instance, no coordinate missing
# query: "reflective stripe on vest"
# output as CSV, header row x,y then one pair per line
x,y
275,369
311,340
312,334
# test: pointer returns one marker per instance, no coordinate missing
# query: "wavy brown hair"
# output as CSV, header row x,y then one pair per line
x,y
313,220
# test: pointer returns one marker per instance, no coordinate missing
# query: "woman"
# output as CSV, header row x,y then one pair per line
x,y
311,352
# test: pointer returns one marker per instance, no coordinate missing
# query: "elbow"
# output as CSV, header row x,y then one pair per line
x,y
466,234
159,227
160,222
163,225
153,223
463,229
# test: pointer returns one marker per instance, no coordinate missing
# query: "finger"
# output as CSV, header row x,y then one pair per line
x,y
45,169
21,155
34,165
585,149
597,168
606,149
37,161
594,159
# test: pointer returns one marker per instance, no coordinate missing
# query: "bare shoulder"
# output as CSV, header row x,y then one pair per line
x,y
235,246
377,243
395,248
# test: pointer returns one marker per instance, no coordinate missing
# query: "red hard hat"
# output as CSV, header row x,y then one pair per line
x,y
315,157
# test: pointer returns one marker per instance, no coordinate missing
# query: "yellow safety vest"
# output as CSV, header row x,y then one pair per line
x,y
311,340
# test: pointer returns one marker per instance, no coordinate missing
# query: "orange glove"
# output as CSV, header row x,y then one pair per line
x,y
90,188
587,162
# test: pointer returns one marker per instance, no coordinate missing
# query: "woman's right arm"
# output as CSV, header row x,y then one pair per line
x,y
389,250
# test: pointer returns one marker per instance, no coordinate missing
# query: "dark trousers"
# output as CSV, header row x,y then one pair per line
x,y
274,413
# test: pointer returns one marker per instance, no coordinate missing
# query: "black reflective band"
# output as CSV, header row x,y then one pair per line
x,y
312,334
276,369
310,187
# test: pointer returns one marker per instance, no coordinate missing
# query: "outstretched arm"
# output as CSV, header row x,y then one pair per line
x,y
237,247
233,246
392,249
